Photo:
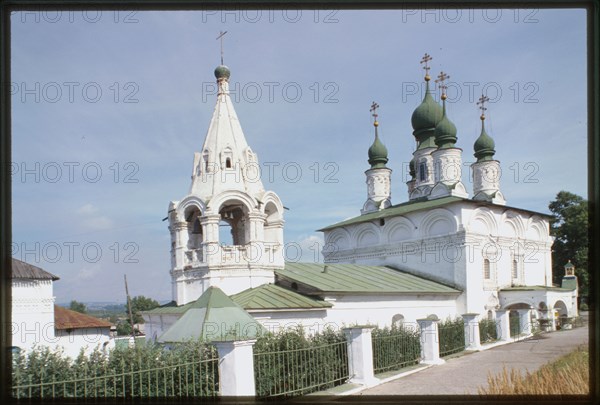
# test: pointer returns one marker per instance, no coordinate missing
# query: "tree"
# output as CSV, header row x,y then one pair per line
x,y
78,307
123,328
141,303
569,226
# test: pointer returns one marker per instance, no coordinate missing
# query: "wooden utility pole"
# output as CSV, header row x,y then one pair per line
x,y
129,308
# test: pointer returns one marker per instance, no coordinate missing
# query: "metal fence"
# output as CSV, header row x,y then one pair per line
x,y
397,350
515,324
190,379
451,337
300,371
487,331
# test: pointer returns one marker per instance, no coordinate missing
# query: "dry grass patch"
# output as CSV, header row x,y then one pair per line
x,y
567,375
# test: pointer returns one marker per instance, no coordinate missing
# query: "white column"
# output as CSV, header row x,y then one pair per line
x,y
502,324
552,319
472,338
236,368
525,321
360,355
430,342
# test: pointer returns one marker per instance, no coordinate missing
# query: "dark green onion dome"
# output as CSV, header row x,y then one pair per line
x,y
425,118
484,145
411,169
377,152
445,132
222,72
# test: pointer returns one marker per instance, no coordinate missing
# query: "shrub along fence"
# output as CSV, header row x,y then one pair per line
x,y
451,336
190,370
291,364
487,331
395,348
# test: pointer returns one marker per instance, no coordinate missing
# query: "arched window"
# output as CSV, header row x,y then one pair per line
x,y
486,269
422,171
397,320
515,268
228,163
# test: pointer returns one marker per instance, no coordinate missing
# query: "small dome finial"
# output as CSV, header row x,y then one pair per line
x,y
481,103
373,110
425,60
441,78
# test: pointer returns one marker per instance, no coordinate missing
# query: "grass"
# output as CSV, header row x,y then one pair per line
x,y
567,375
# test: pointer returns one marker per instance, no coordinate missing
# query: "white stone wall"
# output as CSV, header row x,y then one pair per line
x,y
87,339
380,309
32,313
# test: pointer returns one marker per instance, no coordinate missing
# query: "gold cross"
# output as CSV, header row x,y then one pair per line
x,y
441,77
481,103
373,109
426,58
221,35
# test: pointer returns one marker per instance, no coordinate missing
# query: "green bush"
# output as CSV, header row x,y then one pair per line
x,y
290,363
451,333
487,331
395,347
146,370
583,307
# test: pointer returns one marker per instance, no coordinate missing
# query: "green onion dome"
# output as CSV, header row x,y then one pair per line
x,y
445,131
222,72
484,145
377,152
425,118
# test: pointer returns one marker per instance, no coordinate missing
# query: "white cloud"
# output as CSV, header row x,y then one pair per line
x,y
91,219
87,209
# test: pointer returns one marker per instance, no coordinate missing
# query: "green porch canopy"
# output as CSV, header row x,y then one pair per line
x,y
213,317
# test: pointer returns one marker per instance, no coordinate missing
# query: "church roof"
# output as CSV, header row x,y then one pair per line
x,y
535,288
213,316
421,204
270,296
67,319
354,278
25,270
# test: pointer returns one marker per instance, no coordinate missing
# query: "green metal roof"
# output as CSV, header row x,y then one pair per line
x,y
353,278
170,308
535,288
398,209
213,316
270,296
569,282
421,204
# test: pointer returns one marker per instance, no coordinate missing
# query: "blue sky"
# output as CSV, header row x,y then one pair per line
x,y
108,109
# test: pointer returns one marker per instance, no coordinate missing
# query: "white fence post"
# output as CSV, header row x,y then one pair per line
x,y
360,355
503,324
472,335
430,342
525,321
236,368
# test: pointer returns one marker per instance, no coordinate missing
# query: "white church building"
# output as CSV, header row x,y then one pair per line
x,y
442,252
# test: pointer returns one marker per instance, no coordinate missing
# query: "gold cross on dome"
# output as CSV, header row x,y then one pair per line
x,y
426,58
441,78
373,110
481,103
221,35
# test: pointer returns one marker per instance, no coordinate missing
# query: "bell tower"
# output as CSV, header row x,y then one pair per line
x,y
226,192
